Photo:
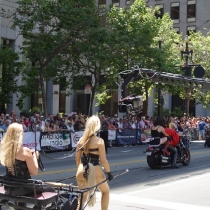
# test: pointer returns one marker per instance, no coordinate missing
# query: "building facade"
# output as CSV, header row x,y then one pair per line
x,y
187,15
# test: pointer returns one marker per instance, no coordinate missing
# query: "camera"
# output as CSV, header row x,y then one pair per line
x,y
132,105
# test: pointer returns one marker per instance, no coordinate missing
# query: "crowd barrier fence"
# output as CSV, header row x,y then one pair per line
x,y
66,140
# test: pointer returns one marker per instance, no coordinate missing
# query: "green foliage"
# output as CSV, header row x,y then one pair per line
x,y
50,29
35,109
177,112
102,98
11,70
164,112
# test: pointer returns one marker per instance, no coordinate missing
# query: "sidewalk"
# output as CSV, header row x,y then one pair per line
x,y
123,202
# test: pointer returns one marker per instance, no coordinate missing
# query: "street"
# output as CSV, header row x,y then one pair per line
x,y
142,187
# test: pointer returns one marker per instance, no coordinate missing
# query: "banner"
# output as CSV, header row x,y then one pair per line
x,y
126,137
111,135
28,140
75,138
55,140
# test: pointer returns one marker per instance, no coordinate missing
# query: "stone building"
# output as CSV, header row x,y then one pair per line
x,y
186,14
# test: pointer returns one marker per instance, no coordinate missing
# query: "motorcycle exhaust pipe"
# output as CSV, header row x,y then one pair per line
x,y
164,158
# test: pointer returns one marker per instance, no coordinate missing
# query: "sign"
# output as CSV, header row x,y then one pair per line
x,y
87,89
75,138
126,137
111,135
29,140
55,140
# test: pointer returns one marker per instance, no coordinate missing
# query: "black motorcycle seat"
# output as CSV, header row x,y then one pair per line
x,y
155,141
44,198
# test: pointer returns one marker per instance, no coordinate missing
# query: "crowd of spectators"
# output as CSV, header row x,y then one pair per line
x,y
76,122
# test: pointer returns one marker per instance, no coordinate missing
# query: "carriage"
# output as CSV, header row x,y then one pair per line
x,y
66,196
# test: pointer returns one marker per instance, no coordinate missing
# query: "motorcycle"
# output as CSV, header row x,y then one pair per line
x,y
156,158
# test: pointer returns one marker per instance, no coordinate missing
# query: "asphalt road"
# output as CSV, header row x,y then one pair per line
x,y
143,188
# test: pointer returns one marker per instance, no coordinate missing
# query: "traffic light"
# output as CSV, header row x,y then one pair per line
x,y
187,70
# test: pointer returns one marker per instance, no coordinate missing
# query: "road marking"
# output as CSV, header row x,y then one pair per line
x,y
153,202
127,151
169,183
112,164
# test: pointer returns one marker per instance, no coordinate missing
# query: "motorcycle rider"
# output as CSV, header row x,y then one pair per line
x,y
173,143
158,131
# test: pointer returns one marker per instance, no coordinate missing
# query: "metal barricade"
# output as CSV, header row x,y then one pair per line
x,y
194,133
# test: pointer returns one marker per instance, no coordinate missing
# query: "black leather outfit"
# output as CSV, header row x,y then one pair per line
x,y
20,171
89,158
155,133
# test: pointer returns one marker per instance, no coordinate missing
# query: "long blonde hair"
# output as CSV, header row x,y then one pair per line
x,y
92,126
11,144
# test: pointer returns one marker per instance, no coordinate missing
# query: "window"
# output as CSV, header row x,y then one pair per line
x,y
191,11
128,2
161,11
177,30
175,12
116,3
190,28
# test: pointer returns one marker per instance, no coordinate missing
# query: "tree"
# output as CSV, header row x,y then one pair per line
x,y
200,56
49,29
10,72
136,33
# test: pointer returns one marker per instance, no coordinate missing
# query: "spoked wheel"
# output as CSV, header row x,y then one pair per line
x,y
186,159
6,207
154,161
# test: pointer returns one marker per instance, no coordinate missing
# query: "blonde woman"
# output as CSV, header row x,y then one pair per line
x,y
91,153
46,127
20,162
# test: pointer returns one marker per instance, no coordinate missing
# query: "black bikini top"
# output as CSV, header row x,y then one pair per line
x,y
91,150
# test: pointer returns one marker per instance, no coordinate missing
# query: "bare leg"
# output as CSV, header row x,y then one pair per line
x,y
104,188
81,182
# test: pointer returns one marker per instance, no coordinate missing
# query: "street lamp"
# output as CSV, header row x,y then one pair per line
x,y
187,51
159,90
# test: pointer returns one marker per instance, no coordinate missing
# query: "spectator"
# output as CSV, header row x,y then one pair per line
x,y
6,125
71,120
133,125
201,125
142,122
126,125
46,127
50,118
56,126
120,125
36,119
70,126
24,126
2,118
26,122
111,125
52,125
62,126
104,132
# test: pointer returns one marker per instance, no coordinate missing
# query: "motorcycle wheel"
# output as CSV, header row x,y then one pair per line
x,y
186,160
154,161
